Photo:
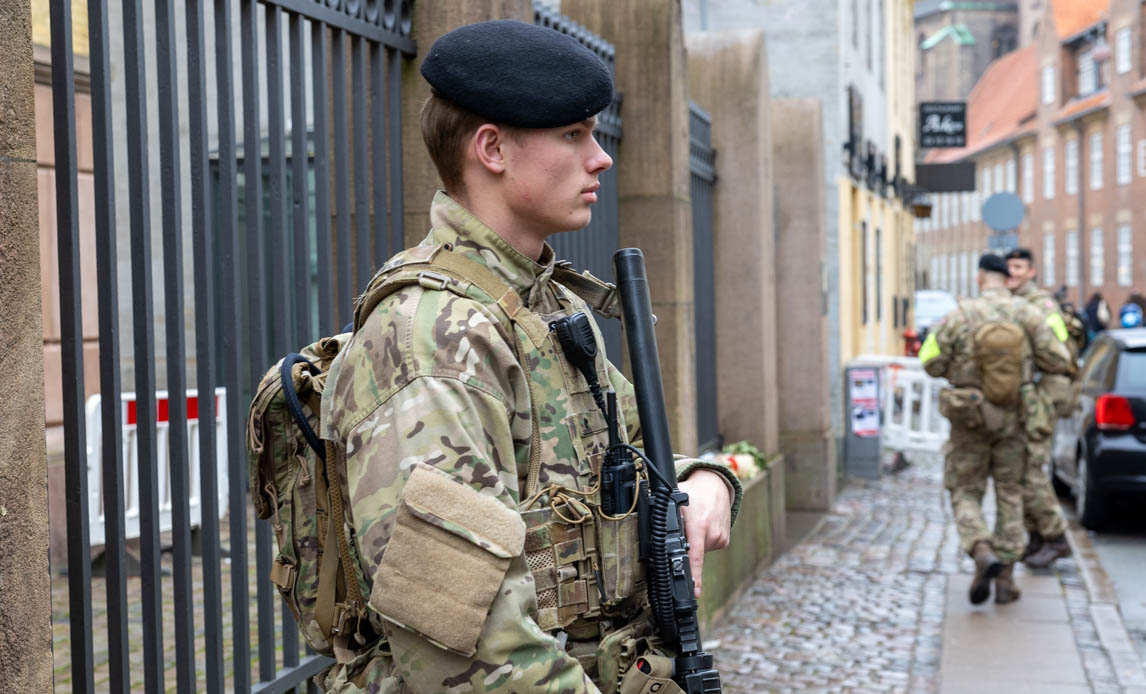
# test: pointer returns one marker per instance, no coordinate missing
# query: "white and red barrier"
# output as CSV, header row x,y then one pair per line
x,y
131,461
911,418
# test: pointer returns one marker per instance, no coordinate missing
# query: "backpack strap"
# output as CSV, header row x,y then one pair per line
x,y
601,296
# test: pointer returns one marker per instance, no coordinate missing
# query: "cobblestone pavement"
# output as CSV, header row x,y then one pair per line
x,y
858,605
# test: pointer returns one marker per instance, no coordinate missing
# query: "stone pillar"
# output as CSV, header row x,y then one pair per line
x,y
431,20
728,78
25,588
653,178
802,329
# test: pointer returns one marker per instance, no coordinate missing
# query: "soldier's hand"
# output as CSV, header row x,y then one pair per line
x,y
707,517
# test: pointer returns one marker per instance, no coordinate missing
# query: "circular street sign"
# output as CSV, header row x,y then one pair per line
x,y
1003,211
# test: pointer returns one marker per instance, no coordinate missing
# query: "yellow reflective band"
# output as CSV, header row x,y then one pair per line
x,y
1058,325
929,350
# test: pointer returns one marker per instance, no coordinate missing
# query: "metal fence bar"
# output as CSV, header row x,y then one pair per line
x,y
107,293
203,242
71,333
167,73
278,311
273,315
379,99
290,678
397,204
300,225
344,296
362,245
238,374
702,180
320,48
143,328
345,22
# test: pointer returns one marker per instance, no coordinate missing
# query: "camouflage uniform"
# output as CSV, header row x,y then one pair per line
x,y
1041,511
974,450
432,378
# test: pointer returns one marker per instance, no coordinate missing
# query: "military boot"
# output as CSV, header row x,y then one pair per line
x,y
1034,544
987,566
1005,589
1053,548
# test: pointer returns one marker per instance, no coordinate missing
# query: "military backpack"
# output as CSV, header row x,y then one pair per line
x,y
296,478
998,350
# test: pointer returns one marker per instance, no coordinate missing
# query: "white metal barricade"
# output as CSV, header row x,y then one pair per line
x,y
911,418
131,461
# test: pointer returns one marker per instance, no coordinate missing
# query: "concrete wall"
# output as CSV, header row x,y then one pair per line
x,y
25,594
805,421
805,40
728,78
653,177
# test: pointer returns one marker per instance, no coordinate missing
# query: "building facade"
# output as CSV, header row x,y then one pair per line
x,y
956,41
1075,140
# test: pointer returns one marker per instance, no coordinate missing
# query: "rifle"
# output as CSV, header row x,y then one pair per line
x,y
663,544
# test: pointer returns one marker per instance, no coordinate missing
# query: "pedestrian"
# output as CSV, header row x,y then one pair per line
x,y
1130,315
1041,513
1096,315
471,440
987,348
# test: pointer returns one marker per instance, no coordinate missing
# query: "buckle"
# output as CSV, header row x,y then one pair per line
x,y
432,280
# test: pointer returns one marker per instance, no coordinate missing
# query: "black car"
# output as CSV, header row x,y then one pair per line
x,y
1100,450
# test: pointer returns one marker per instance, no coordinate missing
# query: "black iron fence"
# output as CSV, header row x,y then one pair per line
x,y
312,190
592,247
702,164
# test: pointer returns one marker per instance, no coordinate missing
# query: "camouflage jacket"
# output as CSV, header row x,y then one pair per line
x,y
432,378
1050,310
949,349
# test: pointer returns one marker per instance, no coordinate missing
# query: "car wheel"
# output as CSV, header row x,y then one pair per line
x,y
1091,503
1062,489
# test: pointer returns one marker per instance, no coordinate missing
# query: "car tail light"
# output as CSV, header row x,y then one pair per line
x,y
1113,413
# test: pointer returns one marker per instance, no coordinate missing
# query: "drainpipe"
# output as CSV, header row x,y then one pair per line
x,y
1083,162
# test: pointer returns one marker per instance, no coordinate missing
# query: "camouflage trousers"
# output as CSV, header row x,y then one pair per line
x,y
1041,511
973,456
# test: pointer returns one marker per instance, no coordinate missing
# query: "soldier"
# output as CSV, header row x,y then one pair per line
x,y
472,443
1041,513
985,348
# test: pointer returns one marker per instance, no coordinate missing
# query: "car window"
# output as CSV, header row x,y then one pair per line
x,y
1132,372
1095,368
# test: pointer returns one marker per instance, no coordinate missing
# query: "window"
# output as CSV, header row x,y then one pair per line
x,y
1011,176
1095,161
1048,84
1048,173
1072,258
1028,178
1142,157
934,279
878,276
1125,260
1071,182
1097,264
1123,155
1087,73
1122,51
999,177
1048,259
866,278
986,187
967,273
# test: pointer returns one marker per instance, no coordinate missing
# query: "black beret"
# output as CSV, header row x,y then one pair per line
x,y
518,74
992,262
1020,254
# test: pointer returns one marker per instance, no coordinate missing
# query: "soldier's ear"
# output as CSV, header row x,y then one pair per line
x,y
488,147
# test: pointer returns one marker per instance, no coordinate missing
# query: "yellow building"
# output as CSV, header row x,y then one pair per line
x,y
876,235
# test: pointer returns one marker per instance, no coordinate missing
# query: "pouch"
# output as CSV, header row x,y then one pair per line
x,y
1038,412
446,560
963,406
650,674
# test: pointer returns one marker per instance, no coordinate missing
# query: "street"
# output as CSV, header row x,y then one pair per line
x,y
874,599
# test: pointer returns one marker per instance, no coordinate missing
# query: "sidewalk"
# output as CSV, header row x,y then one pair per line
x,y
874,599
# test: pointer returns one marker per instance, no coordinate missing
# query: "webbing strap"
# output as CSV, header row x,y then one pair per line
x,y
601,296
506,297
332,564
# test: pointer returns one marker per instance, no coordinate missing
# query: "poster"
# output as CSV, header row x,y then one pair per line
x,y
863,395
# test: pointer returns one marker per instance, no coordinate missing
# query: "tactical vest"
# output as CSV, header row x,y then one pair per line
x,y
585,565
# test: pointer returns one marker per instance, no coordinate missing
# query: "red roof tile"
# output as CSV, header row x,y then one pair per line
x,y
1000,107
1072,16
1077,107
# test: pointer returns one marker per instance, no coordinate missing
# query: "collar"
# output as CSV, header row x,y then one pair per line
x,y
1026,289
453,224
996,291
